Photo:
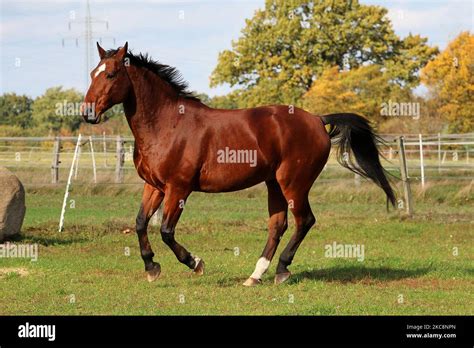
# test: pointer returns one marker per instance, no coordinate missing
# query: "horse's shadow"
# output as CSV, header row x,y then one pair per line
x,y
44,240
355,274
344,275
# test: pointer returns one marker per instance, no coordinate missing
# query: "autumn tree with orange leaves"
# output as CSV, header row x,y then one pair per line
x,y
450,81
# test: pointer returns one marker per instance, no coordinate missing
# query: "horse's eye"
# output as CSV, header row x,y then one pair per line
x,y
111,75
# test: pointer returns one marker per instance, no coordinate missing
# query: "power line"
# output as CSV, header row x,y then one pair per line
x,y
87,37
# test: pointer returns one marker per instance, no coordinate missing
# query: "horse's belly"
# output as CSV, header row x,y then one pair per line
x,y
231,177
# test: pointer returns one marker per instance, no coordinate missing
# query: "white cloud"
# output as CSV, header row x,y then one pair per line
x,y
439,22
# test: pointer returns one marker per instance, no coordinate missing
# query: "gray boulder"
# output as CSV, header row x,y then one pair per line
x,y
12,204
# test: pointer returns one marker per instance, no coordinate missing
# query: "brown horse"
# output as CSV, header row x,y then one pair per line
x,y
182,145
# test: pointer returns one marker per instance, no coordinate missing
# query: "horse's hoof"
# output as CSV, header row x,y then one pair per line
x,y
199,269
252,282
154,273
282,277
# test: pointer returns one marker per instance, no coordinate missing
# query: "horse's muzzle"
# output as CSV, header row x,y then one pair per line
x,y
88,112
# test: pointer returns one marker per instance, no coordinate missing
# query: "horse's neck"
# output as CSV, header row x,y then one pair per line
x,y
148,107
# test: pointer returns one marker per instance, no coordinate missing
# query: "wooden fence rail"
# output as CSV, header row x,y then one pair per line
x,y
427,156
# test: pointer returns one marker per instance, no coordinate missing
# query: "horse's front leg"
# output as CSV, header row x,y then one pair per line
x,y
151,200
175,199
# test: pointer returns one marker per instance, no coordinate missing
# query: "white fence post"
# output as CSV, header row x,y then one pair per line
x,y
93,160
356,180
404,175
105,149
439,153
77,161
422,166
66,193
158,216
120,160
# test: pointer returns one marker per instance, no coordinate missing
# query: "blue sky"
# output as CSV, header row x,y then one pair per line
x,y
187,34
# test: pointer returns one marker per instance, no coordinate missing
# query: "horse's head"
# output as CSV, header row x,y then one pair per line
x,y
110,84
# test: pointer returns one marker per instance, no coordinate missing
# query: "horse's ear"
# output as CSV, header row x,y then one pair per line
x,y
101,51
122,51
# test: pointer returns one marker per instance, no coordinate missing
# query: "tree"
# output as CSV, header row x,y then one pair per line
x,y
287,46
15,110
228,101
328,94
450,80
411,55
363,90
369,90
58,109
203,97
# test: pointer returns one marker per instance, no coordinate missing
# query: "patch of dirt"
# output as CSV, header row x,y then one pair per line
x,y
21,271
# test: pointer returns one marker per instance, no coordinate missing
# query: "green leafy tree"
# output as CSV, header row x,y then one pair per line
x,y
58,109
411,55
15,110
203,97
286,46
228,101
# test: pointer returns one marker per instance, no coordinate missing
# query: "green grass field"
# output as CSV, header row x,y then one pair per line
x,y
410,265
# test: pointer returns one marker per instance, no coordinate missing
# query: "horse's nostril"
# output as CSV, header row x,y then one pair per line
x,y
88,113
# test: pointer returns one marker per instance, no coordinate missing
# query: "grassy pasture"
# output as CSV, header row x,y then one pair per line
x,y
409,267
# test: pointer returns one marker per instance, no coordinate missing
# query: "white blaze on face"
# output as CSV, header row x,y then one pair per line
x,y
99,70
260,268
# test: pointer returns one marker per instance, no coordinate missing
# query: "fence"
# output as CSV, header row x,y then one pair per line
x,y
436,157
429,157
109,159
42,160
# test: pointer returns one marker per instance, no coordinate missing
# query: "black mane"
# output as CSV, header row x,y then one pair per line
x,y
167,73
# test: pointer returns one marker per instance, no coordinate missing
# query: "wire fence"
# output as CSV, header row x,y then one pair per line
x,y
434,157
109,159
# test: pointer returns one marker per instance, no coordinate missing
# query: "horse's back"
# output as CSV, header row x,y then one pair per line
x,y
278,137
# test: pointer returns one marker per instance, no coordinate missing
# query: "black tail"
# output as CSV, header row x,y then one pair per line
x,y
353,132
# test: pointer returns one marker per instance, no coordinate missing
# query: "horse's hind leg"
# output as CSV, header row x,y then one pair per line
x,y
151,200
304,220
175,199
277,225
